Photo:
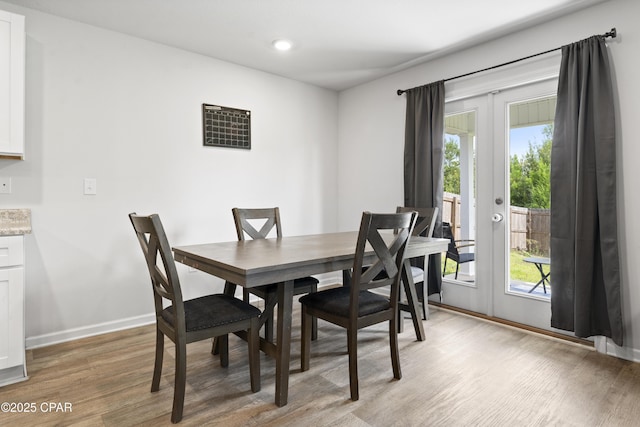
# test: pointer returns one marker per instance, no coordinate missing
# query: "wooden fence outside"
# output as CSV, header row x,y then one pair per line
x,y
530,228
539,239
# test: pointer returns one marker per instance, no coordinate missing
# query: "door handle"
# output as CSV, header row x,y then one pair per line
x,y
497,217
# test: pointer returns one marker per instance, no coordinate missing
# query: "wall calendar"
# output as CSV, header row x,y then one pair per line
x,y
226,127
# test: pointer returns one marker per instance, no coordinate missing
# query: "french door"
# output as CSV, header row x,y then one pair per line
x,y
498,201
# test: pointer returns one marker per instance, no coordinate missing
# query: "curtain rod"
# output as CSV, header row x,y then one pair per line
x,y
613,34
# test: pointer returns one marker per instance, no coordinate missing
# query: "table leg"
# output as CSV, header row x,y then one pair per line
x,y
285,306
229,288
412,300
544,278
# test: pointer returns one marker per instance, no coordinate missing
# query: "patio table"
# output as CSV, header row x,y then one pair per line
x,y
544,277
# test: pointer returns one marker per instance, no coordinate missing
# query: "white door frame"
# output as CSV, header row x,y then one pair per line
x,y
476,93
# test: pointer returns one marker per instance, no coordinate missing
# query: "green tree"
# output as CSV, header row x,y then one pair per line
x,y
451,165
530,175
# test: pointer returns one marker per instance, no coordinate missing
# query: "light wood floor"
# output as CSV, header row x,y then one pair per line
x,y
469,372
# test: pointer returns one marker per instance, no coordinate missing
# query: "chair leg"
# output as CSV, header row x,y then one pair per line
x,y
223,349
400,319
352,345
393,344
424,301
245,295
254,355
400,314
157,368
314,326
305,344
180,380
457,267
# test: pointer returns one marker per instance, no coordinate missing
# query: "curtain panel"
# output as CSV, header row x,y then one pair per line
x,y
423,161
584,246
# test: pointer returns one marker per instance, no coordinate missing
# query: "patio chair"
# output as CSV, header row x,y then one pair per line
x,y
452,251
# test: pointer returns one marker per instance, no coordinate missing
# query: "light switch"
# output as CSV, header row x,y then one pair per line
x,y
5,185
90,186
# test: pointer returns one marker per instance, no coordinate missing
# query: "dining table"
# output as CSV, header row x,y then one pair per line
x,y
250,263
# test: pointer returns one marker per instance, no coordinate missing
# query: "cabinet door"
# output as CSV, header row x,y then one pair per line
x,y
11,251
11,317
12,70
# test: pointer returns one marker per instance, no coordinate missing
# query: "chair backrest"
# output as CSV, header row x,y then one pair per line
x,y
243,218
447,233
426,220
389,249
160,262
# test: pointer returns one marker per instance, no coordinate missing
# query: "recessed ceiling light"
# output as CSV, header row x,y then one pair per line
x,y
282,44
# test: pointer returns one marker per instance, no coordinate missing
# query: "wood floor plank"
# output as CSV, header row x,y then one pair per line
x,y
469,372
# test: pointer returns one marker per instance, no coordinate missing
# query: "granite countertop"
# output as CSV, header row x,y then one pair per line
x,y
15,222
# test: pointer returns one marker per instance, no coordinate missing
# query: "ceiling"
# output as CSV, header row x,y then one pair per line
x,y
337,44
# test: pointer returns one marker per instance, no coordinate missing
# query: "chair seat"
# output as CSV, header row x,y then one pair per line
x,y
336,301
466,257
212,310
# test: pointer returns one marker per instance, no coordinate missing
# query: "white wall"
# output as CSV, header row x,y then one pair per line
x,y
128,112
371,129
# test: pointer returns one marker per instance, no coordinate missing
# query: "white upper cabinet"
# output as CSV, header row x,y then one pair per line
x,y
12,76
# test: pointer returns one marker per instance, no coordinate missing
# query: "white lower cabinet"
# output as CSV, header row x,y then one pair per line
x,y
12,335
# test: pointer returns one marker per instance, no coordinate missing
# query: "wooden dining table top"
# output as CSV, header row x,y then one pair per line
x,y
250,263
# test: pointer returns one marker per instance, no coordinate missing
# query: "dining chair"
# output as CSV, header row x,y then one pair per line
x,y
452,250
424,227
259,224
355,307
197,319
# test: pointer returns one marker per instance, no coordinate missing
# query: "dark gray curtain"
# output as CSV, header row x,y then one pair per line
x,y
423,160
585,269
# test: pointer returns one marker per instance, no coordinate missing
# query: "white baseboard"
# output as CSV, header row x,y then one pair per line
x,y
607,346
89,331
328,279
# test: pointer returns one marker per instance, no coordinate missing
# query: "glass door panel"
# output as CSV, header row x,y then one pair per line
x,y
459,195
523,123
465,140
530,133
